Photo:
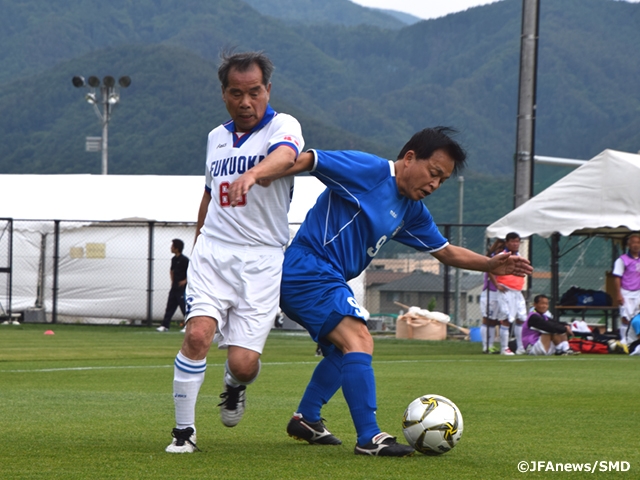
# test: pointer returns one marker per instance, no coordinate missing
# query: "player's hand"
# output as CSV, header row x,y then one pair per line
x,y
239,188
507,264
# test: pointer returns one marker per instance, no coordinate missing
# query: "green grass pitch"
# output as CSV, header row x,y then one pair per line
x,y
94,402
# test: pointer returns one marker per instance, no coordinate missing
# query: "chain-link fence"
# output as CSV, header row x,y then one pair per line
x,y
118,272
106,272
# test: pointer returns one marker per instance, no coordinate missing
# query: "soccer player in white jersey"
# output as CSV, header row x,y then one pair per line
x,y
368,201
234,274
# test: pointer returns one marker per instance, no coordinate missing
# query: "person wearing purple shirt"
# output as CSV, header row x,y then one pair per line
x,y
626,274
542,335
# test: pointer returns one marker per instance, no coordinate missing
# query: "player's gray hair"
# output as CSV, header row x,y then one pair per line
x,y
243,62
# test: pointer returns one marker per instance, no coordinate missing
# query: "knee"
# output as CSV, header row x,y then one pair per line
x,y
198,337
360,341
245,372
244,367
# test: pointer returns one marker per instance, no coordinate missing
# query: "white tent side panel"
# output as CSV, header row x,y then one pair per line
x,y
112,282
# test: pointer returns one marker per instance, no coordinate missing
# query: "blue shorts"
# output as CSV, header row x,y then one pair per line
x,y
314,294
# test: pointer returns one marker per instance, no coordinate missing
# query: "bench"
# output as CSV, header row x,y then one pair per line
x,y
589,311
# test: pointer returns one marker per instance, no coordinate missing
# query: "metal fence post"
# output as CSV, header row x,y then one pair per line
x,y
150,274
446,289
56,259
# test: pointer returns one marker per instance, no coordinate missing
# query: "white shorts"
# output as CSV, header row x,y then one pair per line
x,y
238,286
631,306
538,349
494,312
512,305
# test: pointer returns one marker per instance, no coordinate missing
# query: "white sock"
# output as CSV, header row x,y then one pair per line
x,y
492,335
563,347
232,381
483,335
517,330
623,333
504,337
188,376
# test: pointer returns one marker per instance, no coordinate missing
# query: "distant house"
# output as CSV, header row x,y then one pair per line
x,y
420,288
375,278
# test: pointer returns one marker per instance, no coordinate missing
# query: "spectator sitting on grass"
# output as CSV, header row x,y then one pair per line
x,y
543,336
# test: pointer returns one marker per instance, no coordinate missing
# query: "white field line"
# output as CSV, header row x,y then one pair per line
x,y
453,360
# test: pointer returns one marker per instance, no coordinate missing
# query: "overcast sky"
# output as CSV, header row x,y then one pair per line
x,y
427,8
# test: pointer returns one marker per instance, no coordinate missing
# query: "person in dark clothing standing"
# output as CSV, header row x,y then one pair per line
x,y
178,272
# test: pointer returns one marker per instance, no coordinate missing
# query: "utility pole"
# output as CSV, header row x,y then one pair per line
x,y
526,122
523,186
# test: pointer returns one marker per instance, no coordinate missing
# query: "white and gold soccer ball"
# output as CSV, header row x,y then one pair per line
x,y
432,424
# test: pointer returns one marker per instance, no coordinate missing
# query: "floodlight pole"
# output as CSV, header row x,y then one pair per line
x,y
106,114
109,98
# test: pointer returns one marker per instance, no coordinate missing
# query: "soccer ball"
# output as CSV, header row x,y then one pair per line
x,y
432,424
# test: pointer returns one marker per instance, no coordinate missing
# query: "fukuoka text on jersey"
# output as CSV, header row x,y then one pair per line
x,y
233,165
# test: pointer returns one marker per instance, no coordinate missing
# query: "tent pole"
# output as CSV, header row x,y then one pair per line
x,y
555,284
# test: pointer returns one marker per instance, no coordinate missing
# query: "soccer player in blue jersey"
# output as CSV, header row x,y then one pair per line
x,y
368,201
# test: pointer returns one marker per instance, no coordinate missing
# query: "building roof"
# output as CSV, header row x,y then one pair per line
x,y
380,277
429,282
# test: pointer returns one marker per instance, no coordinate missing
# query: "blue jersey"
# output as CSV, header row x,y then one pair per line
x,y
360,211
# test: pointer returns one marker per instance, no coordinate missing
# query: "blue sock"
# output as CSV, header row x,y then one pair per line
x,y
324,383
359,390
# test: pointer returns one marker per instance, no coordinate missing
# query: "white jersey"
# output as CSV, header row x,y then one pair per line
x,y
260,219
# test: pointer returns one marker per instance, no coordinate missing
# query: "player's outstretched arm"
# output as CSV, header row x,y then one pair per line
x,y
272,167
303,163
502,264
507,264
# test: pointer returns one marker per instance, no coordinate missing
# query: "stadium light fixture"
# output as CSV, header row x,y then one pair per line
x,y
109,97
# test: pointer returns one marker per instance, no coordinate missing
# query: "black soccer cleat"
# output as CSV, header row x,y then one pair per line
x,y
314,433
384,445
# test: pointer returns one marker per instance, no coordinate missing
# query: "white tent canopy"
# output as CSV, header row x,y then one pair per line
x,y
602,196
118,197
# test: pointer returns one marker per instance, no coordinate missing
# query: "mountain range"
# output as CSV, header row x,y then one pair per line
x,y
356,78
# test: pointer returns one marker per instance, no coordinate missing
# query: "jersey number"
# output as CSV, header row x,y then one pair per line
x,y
371,251
224,196
354,303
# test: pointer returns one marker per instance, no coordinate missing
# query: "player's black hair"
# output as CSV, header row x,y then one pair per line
x,y
427,141
537,298
511,236
243,62
178,244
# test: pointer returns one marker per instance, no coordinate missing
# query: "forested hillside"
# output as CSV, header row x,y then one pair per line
x,y
366,86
